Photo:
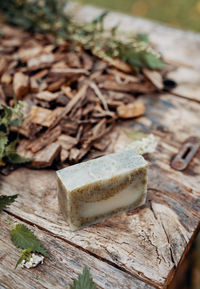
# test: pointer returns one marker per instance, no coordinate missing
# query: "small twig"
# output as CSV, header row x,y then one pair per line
x,y
99,95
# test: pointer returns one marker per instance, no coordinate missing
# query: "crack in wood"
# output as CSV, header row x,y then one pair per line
x,y
161,223
136,275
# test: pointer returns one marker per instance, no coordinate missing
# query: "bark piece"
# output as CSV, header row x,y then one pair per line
x,y
67,71
34,86
3,64
73,59
128,87
46,156
37,62
64,154
45,139
74,155
66,141
42,159
67,91
131,110
87,61
20,84
155,77
42,116
54,86
119,64
6,78
47,95
24,54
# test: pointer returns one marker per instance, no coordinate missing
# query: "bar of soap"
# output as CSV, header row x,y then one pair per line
x,y
92,191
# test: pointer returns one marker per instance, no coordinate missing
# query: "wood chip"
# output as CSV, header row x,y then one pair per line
x,y
67,91
67,71
72,99
74,155
24,54
66,141
87,61
155,77
20,84
131,110
40,60
127,87
99,95
3,64
45,139
119,64
42,116
64,154
34,86
42,159
73,59
46,156
47,96
56,85
6,78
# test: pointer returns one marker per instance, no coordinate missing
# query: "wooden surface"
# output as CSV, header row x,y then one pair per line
x,y
139,249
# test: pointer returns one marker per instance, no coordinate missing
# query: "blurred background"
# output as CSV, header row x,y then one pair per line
x,y
178,13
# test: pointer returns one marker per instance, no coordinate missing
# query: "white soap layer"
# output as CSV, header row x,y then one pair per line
x,y
127,196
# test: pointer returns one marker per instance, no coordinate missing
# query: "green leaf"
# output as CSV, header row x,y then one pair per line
x,y
143,37
3,143
11,156
152,61
23,238
6,201
84,281
16,159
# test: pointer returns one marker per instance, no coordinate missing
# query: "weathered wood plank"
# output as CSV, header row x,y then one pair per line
x,y
135,241
188,80
64,264
150,241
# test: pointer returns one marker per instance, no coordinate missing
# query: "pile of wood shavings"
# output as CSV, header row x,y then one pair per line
x,y
72,99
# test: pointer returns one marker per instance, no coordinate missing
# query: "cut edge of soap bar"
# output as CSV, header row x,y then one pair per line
x,y
101,199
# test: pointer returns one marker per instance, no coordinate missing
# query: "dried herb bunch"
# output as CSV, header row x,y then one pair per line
x,y
48,16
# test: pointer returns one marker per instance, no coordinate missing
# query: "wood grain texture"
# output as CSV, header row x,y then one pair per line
x,y
148,242
64,264
188,80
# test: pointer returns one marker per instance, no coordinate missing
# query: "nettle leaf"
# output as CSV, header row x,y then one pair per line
x,y
11,156
84,281
143,37
24,238
17,159
152,61
3,143
6,201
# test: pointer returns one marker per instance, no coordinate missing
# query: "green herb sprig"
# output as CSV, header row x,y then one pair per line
x,y
48,16
10,116
84,281
25,239
6,201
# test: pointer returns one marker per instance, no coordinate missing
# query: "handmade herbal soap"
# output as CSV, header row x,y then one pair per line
x,y
92,191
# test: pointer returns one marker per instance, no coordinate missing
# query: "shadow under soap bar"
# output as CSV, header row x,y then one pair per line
x,y
92,191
